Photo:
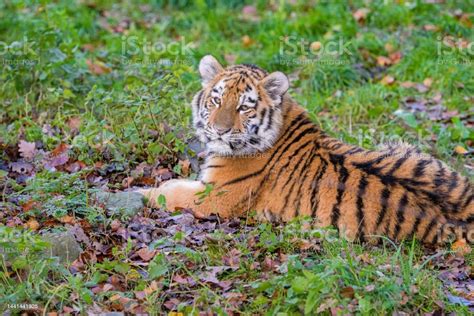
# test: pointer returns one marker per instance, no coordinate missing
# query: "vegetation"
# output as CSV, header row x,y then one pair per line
x,y
95,96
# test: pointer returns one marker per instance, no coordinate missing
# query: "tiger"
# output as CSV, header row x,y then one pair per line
x,y
267,159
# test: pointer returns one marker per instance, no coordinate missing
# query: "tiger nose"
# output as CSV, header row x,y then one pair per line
x,y
221,130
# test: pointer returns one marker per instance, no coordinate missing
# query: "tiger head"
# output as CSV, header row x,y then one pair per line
x,y
239,109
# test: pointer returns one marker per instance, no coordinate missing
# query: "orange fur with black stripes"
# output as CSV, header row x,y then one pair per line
x,y
265,155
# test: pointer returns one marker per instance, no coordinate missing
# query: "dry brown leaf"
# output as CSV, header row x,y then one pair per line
x,y
67,219
27,149
461,247
146,254
32,224
361,14
389,48
395,57
370,288
115,297
430,27
230,58
28,206
383,61
127,182
88,47
247,41
74,122
408,84
315,46
97,67
460,150
347,292
428,82
60,149
185,165
387,80
152,288
250,13
115,225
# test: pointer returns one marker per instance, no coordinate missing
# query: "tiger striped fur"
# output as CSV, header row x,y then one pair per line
x,y
265,154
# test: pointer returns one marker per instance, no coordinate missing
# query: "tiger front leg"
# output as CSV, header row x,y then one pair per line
x,y
180,194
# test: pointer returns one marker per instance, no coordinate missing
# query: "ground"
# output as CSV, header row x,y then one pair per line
x,y
95,98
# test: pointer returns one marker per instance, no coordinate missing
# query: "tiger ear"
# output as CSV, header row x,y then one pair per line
x,y
275,84
209,68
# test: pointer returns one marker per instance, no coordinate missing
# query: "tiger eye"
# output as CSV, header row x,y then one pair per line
x,y
243,108
216,101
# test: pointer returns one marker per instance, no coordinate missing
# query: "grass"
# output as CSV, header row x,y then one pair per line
x,y
113,81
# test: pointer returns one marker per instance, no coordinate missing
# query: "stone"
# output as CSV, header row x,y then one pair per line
x,y
62,245
125,203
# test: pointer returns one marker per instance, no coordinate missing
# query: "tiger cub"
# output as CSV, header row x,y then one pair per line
x,y
264,154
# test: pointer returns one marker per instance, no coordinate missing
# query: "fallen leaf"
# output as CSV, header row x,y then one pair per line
x,y
28,206
67,219
361,14
387,80
407,84
27,149
430,27
247,41
185,164
250,13
75,166
51,162
421,88
383,61
437,97
327,304
347,292
249,9
389,48
32,224
115,225
88,47
127,182
21,167
315,46
395,57
58,157
172,303
97,67
461,247
115,297
74,122
370,288
428,82
60,149
153,287
146,254
230,58
460,150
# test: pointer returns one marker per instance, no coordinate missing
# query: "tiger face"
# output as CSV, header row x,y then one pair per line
x,y
238,111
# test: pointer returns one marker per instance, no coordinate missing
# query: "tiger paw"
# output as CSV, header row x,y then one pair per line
x,y
199,214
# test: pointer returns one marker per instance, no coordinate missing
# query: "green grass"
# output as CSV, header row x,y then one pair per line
x,y
133,107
